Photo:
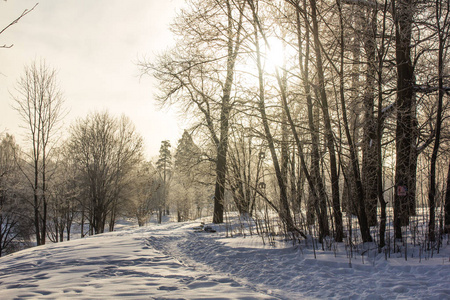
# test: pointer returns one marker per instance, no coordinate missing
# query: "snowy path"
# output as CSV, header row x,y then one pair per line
x,y
292,273
110,266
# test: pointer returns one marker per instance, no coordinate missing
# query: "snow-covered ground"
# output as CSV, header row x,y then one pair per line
x,y
176,261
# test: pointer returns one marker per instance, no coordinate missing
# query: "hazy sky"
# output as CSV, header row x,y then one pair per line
x,y
95,46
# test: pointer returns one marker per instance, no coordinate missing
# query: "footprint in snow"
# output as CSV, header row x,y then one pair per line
x,y
167,288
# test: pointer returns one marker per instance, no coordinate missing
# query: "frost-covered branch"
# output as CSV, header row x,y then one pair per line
x,y
25,12
427,89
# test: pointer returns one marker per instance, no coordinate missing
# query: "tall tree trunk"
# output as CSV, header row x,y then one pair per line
x,y
284,146
295,182
36,204
284,210
112,216
354,118
36,218
447,203
160,212
82,222
44,220
317,191
325,109
380,121
222,148
405,133
362,217
369,162
44,189
432,189
313,123
68,224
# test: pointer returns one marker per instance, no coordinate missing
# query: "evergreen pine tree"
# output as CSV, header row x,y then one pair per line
x,y
164,167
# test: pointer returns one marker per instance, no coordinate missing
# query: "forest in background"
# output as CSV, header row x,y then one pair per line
x,y
302,114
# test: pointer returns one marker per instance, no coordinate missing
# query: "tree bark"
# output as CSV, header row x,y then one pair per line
x,y
447,204
284,210
380,121
325,110
362,217
222,148
405,133
369,162
320,206
442,36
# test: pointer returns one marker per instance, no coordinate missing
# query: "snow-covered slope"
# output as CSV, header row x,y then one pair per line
x,y
174,261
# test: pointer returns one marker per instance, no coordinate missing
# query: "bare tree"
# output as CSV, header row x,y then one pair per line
x,y
201,68
106,150
284,210
193,179
381,116
12,216
63,198
442,28
145,185
355,171
39,102
406,156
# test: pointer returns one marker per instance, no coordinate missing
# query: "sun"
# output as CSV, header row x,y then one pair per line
x,y
275,53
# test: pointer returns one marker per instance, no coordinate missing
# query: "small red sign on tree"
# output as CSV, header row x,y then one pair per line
x,y
402,190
